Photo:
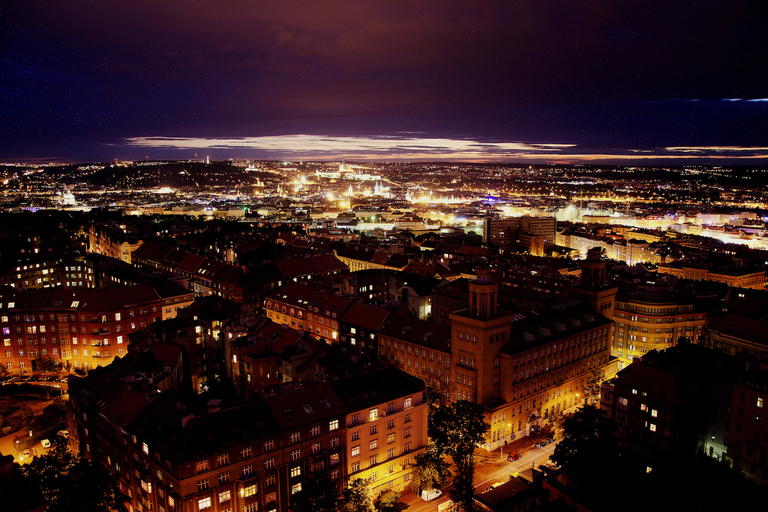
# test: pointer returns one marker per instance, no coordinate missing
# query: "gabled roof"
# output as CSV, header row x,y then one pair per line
x,y
431,269
365,317
90,300
553,323
419,332
660,385
330,302
209,268
422,286
190,263
314,265
309,403
375,388
145,250
294,293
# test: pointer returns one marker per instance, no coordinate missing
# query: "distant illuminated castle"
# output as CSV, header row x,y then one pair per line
x,y
67,198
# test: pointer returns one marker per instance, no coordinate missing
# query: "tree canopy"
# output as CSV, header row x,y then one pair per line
x,y
318,495
430,471
456,429
356,497
72,484
587,442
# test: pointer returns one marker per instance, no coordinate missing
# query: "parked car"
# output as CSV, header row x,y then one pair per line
x,y
45,443
542,444
63,433
431,494
512,457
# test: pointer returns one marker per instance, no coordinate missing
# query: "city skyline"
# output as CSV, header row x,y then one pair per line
x,y
643,82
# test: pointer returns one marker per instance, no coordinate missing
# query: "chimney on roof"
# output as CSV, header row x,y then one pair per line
x,y
186,419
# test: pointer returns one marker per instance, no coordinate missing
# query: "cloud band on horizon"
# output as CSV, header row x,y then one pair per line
x,y
304,146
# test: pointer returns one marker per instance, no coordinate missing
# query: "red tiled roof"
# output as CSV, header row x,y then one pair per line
x,y
366,317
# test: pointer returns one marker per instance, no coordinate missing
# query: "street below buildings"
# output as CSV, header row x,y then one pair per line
x,y
490,468
7,443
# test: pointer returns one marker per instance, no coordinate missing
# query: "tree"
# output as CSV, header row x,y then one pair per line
x,y
593,384
429,470
356,497
457,428
46,364
68,483
318,495
388,500
587,443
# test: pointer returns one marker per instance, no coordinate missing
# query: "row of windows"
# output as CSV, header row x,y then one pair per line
x,y
374,459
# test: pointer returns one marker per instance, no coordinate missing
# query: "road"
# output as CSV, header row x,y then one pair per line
x,y
489,469
7,445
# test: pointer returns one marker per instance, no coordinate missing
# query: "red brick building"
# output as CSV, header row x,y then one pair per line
x,y
83,328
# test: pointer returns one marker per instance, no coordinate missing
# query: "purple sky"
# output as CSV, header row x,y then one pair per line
x,y
597,81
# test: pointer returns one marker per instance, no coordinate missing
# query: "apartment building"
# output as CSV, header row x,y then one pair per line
x,y
259,455
83,328
525,367
506,231
386,426
419,348
653,321
737,277
305,308
747,440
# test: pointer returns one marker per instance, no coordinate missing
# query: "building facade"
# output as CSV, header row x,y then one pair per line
x,y
646,322
81,328
525,368
257,456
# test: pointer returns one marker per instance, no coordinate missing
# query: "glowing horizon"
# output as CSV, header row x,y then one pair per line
x,y
409,148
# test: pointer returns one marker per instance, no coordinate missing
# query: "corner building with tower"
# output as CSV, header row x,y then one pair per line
x,y
526,369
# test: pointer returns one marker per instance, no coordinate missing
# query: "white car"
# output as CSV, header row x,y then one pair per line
x,y
431,494
45,443
63,433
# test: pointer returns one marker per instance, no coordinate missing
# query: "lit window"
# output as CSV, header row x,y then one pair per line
x,y
760,402
249,491
204,503
333,425
355,451
225,496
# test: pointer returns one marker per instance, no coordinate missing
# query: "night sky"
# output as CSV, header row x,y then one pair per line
x,y
607,81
